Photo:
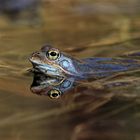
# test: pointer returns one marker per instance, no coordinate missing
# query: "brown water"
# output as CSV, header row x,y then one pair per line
x,y
82,28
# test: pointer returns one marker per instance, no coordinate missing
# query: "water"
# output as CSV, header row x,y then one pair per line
x,y
90,111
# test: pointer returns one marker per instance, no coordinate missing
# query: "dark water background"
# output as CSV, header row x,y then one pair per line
x,y
82,28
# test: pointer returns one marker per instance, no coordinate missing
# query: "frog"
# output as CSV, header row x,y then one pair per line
x,y
55,63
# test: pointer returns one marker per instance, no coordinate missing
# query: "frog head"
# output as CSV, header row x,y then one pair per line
x,y
52,62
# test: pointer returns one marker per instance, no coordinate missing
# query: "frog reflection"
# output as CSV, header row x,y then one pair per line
x,y
50,86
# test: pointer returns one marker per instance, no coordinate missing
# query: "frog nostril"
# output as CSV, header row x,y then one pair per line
x,y
36,54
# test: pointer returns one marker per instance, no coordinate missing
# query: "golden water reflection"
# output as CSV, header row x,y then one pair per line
x,y
82,28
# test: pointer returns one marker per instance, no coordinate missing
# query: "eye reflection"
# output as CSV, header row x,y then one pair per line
x,y
52,54
51,86
54,93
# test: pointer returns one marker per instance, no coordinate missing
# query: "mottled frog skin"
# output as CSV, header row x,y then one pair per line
x,y
51,61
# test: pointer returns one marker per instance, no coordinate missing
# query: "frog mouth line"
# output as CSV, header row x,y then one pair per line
x,y
37,70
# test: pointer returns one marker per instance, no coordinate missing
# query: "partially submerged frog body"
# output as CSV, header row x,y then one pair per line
x,y
50,61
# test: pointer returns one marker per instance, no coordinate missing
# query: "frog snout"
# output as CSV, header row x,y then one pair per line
x,y
35,56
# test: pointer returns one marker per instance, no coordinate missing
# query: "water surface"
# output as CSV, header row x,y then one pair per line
x,y
82,29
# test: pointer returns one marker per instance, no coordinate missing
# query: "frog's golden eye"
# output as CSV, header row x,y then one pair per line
x,y
54,93
52,54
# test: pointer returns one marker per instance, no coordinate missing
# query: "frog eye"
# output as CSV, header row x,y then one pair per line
x,y
52,54
54,93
